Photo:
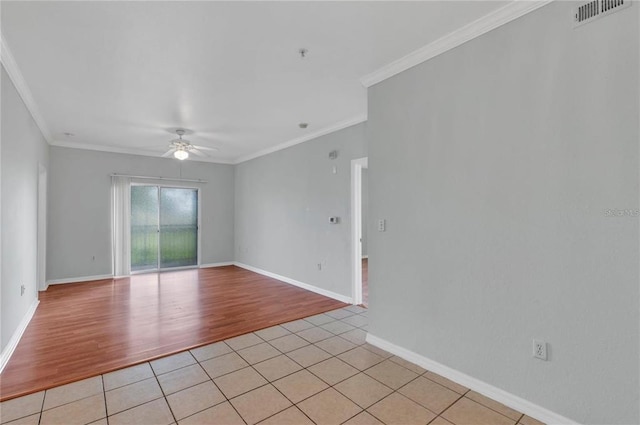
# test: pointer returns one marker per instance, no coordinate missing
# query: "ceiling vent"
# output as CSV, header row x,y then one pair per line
x,y
584,13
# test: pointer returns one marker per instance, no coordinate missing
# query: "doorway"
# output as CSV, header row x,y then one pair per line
x,y
164,228
364,237
359,264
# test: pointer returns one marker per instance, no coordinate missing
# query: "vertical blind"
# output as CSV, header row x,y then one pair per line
x,y
121,216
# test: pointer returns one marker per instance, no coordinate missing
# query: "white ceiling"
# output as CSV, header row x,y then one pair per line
x,y
121,75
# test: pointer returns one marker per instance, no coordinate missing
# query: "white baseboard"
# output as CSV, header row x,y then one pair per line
x,y
228,263
79,279
365,257
110,276
15,338
504,397
299,284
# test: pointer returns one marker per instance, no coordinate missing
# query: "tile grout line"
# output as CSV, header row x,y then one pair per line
x,y
104,398
137,405
60,405
195,385
281,393
197,362
394,391
287,355
269,382
42,407
154,375
449,406
418,375
164,396
329,385
490,408
227,400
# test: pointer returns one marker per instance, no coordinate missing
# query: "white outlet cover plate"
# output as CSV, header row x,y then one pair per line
x,y
539,349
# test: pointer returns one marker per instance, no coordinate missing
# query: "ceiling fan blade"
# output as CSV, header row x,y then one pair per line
x,y
195,151
205,148
168,153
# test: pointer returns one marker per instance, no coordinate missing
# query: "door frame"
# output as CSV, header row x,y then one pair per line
x,y
356,227
41,269
198,248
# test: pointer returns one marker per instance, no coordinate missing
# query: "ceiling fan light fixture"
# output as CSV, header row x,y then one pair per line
x,y
181,154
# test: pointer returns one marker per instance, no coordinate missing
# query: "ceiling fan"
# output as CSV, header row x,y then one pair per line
x,y
181,148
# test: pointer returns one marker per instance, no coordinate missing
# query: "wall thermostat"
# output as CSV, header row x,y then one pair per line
x,y
333,154
334,220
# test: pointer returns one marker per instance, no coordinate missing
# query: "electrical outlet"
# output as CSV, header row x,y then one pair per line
x,y
539,349
22,289
382,225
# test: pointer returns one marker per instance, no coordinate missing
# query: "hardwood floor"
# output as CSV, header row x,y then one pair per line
x,y
86,329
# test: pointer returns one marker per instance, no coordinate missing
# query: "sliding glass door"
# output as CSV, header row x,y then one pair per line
x,y
178,227
144,228
164,227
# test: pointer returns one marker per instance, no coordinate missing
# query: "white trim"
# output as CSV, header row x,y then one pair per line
x,y
110,276
356,227
322,132
227,263
294,282
15,338
42,228
365,257
10,65
174,179
130,151
504,397
199,229
513,10
82,279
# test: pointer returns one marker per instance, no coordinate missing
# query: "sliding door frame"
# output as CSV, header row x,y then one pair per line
x,y
198,234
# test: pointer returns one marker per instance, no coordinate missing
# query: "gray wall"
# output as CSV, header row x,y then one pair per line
x,y
494,164
365,210
80,214
23,148
283,204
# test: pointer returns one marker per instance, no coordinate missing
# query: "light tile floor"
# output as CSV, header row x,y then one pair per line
x,y
317,370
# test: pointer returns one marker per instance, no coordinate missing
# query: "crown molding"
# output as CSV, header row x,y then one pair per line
x,y
142,152
483,25
129,151
495,19
322,132
10,65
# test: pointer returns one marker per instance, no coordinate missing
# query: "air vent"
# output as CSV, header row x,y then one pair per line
x,y
590,11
